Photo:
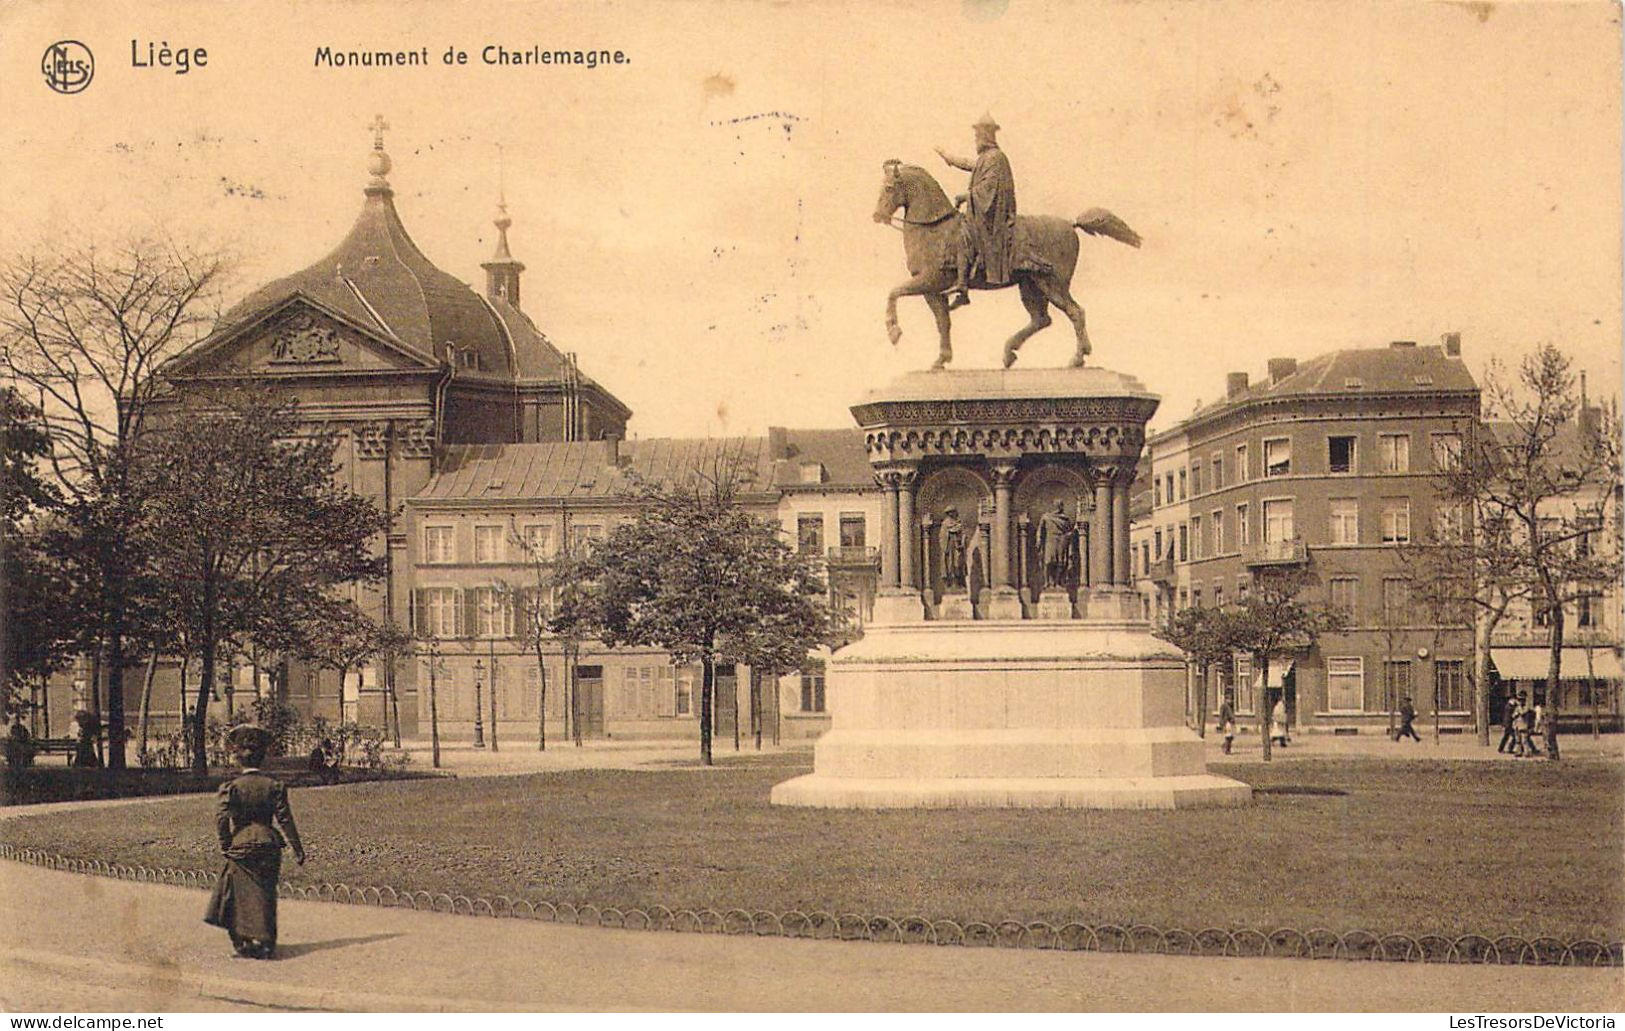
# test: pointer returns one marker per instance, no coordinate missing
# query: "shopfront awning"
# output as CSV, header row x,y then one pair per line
x,y
1532,663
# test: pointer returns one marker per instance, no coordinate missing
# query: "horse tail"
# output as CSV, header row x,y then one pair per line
x,y
1100,222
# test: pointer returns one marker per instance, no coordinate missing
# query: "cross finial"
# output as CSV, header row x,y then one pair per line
x,y
378,126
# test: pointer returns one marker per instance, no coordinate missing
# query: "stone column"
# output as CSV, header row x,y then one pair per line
x,y
1122,570
908,549
1003,602
890,482
1100,532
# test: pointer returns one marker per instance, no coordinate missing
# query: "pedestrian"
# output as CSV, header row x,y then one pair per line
x,y
1509,725
1227,722
244,900
1278,722
1542,727
1526,724
1407,720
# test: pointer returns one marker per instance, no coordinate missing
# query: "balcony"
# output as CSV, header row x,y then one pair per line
x,y
1290,552
1161,570
851,556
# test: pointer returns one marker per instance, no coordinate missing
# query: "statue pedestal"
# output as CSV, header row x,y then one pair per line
x,y
958,711
1074,713
1054,604
956,605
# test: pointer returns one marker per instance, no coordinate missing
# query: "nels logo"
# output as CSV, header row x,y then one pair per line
x,y
68,66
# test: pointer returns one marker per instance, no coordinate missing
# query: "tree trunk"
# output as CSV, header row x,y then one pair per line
x,y
1554,681
493,686
705,708
1201,702
115,685
1263,706
1483,628
434,714
1591,688
575,697
146,704
541,700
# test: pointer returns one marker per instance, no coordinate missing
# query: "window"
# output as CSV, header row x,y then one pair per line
x,y
1345,521
1218,594
1585,610
1157,548
1396,601
1241,526
1446,451
812,472
1278,456
1218,531
1396,520
1198,545
583,536
1450,522
812,687
1145,558
1343,595
440,610
1394,452
683,690
1244,683
1396,682
1278,520
1340,454
1184,543
1242,474
1196,597
1345,684
538,538
1243,584
810,533
437,544
1184,598
1218,473
1450,685
492,614
853,531
1196,477
1169,491
488,543
1156,492
1182,480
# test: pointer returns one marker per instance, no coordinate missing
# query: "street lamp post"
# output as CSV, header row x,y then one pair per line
x,y
479,724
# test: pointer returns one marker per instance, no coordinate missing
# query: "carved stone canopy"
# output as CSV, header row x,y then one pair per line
x,y
1008,414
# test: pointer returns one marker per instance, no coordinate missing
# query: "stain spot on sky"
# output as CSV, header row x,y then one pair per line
x,y
985,10
717,85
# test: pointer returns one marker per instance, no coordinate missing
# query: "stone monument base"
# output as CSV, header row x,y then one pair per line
x,y
1038,713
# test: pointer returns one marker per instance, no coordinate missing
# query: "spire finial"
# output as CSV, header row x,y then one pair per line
x,y
378,163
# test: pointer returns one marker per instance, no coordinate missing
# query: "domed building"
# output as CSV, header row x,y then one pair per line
x,y
407,362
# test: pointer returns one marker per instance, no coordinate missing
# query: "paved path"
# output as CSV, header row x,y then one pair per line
x,y
105,944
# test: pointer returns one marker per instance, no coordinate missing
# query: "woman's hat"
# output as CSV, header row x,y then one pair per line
x,y
248,737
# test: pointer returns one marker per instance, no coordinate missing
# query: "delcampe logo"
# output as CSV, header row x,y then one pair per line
x,y
68,66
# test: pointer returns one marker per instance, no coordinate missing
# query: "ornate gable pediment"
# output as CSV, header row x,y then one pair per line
x,y
299,337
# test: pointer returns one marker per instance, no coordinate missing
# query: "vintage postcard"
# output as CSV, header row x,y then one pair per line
x,y
981,505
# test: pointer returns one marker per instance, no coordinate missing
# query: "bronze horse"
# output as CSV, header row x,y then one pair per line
x,y
1046,255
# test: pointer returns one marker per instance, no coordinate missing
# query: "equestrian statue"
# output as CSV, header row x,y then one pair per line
x,y
989,247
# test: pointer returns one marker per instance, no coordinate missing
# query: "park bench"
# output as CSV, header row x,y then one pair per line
x,y
53,745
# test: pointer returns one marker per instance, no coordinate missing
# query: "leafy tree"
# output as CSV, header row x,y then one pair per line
x,y
1545,484
550,606
1203,634
697,575
1275,617
86,332
346,638
251,530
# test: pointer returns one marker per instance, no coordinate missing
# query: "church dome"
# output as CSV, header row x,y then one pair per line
x,y
378,277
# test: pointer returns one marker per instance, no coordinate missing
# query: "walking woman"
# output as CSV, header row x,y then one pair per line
x,y
244,900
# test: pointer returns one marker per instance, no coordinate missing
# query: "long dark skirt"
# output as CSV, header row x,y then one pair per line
x,y
244,899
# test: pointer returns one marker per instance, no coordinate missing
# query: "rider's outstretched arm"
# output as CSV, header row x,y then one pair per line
x,y
957,162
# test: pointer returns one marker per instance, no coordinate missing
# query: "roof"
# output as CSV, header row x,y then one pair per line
x,y
585,470
378,278
840,452
1351,373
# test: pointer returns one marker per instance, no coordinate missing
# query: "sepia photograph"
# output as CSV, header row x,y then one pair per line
x,y
735,507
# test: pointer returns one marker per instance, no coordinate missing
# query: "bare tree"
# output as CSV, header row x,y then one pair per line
x,y
86,333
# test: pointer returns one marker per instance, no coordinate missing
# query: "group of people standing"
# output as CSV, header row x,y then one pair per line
x,y
1521,724
1226,724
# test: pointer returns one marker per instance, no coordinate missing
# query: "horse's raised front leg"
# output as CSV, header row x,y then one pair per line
x,y
945,347
1060,296
1037,307
918,285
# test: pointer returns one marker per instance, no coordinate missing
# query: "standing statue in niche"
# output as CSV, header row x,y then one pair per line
x,y
953,550
1057,544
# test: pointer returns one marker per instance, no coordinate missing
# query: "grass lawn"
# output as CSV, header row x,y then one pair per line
x,y
1418,847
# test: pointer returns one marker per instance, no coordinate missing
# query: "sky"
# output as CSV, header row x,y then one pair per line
x,y
696,222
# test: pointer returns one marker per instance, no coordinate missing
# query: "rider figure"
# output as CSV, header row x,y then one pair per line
x,y
990,224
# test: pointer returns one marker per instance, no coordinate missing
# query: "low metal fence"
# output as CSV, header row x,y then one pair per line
x,y
1282,942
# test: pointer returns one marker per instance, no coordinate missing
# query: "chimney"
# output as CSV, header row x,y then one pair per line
x,y
778,443
1590,419
612,450
1281,368
1452,345
1400,345
1235,384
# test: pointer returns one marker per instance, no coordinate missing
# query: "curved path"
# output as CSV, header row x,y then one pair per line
x,y
84,943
